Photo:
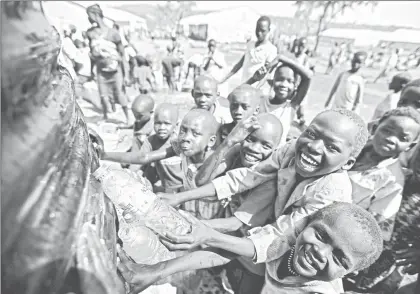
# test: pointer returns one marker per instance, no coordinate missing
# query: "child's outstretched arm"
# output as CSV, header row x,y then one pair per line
x,y
202,234
142,276
224,155
138,157
234,70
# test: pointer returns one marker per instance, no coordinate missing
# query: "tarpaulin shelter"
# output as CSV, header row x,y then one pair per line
x,y
225,26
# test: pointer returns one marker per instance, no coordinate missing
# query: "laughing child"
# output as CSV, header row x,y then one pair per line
x,y
169,169
310,173
244,101
331,243
290,84
349,87
205,96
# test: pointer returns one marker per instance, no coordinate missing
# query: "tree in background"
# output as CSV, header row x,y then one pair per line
x,y
170,13
325,11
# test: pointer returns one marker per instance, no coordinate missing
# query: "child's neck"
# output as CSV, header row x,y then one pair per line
x,y
277,101
368,159
200,157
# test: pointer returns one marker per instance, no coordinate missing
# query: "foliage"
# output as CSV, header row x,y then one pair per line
x,y
170,13
325,12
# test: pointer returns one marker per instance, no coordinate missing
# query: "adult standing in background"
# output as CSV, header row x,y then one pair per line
x,y
214,64
107,54
390,65
258,53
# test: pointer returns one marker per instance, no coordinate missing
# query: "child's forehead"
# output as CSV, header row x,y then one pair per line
x,y
336,126
347,235
284,71
205,85
242,96
267,133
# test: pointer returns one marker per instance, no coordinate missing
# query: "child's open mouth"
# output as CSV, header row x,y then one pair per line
x,y
307,162
251,157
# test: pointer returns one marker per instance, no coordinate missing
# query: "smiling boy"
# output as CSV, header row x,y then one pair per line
x,y
333,242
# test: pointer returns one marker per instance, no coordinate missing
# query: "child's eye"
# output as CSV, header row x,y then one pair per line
x,y
332,148
195,134
267,147
248,139
319,236
310,133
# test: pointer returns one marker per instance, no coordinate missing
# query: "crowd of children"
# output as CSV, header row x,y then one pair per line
x,y
335,209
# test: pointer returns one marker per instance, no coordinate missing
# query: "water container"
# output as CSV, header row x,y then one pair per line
x,y
142,245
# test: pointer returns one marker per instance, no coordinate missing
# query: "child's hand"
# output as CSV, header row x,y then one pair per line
x,y
259,74
199,235
242,130
169,198
410,258
138,276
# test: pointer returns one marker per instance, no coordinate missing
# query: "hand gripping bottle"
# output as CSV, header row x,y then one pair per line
x,y
138,205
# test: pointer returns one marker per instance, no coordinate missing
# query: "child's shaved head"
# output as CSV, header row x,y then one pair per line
x,y
271,125
205,92
244,101
205,80
248,91
166,118
209,123
143,103
362,133
168,107
362,222
400,80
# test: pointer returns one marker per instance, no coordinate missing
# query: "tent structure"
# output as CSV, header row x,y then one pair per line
x,y
359,37
69,12
225,26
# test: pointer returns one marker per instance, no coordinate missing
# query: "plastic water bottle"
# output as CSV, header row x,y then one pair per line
x,y
142,245
137,204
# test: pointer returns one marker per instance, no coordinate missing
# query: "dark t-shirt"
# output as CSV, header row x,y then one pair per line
x,y
169,169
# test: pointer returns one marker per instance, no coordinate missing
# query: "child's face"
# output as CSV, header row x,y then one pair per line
x,y
410,97
326,145
395,135
258,146
262,29
242,105
357,62
284,83
194,136
164,123
328,250
204,94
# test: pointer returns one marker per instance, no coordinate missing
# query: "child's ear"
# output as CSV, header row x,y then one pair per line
x,y
212,142
349,164
257,110
372,127
192,92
